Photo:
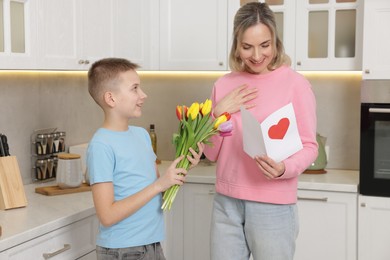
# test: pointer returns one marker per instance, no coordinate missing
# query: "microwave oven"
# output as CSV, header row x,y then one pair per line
x,y
374,175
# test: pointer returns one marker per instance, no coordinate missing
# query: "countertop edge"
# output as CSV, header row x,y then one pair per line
x,y
41,230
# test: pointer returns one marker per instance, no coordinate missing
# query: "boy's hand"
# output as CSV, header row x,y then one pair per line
x,y
196,156
172,176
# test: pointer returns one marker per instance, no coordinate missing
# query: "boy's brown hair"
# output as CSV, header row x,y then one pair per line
x,y
103,75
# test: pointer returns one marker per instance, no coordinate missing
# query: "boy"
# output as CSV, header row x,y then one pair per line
x,y
126,185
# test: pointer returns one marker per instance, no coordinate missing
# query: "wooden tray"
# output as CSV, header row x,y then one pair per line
x,y
314,171
55,190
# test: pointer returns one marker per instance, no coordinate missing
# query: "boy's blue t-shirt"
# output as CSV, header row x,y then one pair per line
x,y
127,160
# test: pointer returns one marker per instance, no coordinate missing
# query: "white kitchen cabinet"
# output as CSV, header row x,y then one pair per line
x,y
68,242
328,35
188,223
327,225
17,48
57,34
376,40
136,33
373,228
198,205
74,34
90,256
193,35
320,34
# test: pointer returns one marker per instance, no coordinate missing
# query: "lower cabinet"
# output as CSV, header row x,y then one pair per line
x,y
374,228
188,223
328,225
74,241
90,256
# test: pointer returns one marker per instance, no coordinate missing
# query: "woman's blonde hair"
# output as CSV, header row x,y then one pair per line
x,y
249,15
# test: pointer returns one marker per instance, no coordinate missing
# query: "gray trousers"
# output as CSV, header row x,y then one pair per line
x,y
148,252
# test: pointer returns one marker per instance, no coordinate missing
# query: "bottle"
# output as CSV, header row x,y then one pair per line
x,y
153,138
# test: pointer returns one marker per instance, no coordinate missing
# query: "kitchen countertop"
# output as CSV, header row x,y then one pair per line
x,y
333,180
44,214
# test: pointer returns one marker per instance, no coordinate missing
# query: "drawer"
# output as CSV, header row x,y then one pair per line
x,y
68,242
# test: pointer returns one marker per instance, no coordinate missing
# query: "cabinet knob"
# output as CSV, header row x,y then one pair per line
x,y
211,192
220,64
299,63
86,62
81,61
363,204
367,71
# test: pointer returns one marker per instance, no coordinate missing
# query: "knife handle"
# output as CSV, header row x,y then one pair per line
x,y
5,145
2,151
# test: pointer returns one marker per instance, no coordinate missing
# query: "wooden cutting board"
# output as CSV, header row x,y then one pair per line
x,y
55,190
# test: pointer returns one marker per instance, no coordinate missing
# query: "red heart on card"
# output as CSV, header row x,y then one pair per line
x,y
279,130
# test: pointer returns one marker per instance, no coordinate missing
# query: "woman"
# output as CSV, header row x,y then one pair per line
x,y
255,206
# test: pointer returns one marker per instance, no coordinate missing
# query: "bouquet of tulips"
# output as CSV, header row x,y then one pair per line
x,y
195,125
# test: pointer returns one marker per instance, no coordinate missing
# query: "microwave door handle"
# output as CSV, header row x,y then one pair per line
x,y
379,110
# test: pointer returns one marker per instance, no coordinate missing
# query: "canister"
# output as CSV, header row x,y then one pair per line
x,y
69,172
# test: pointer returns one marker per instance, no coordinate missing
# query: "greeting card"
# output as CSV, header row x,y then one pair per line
x,y
277,136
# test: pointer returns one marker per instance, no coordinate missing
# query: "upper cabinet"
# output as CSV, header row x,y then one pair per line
x,y
135,32
17,34
193,35
74,34
376,41
187,34
320,34
329,34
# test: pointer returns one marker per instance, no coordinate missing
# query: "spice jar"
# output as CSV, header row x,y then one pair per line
x,y
61,143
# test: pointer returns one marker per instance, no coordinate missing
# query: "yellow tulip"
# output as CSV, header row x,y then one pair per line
x,y
193,111
206,107
221,119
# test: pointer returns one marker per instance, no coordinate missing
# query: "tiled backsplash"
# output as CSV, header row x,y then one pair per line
x,y
35,100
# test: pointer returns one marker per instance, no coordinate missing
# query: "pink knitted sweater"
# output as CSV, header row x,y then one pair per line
x,y
237,174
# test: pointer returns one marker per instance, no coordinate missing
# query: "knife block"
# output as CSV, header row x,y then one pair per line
x,y
12,193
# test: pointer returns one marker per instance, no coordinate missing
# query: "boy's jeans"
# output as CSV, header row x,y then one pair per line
x,y
148,252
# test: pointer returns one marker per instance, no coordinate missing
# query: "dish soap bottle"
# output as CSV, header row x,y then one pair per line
x,y
153,138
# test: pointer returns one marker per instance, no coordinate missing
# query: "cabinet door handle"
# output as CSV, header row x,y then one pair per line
x,y
50,255
211,192
379,110
325,199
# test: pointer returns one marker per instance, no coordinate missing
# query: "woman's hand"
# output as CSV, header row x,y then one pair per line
x,y
196,156
269,167
232,102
